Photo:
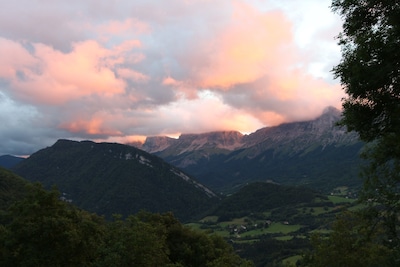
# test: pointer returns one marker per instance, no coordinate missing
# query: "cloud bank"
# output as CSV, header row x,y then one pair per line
x,y
123,70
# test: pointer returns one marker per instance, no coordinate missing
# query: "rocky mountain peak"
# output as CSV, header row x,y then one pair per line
x,y
157,143
329,116
332,110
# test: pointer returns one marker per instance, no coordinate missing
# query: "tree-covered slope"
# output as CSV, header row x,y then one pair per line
x,y
109,178
12,188
42,230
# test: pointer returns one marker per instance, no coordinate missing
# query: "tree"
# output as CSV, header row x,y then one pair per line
x,y
131,242
353,242
41,230
370,67
187,247
370,75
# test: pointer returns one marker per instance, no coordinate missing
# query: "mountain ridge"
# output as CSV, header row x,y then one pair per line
x,y
109,178
323,128
313,152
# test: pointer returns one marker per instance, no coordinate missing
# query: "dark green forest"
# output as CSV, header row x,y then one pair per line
x,y
39,229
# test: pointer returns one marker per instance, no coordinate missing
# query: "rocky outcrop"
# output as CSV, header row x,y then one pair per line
x,y
155,144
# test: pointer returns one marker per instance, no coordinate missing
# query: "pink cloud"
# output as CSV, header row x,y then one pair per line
x,y
129,74
13,57
292,96
207,113
93,126
122,28
183,89
91,69
70,76
53,77
248,47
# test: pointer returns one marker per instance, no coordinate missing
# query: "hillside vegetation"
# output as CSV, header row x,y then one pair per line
x,y
273,224
39,229
12,188
109,178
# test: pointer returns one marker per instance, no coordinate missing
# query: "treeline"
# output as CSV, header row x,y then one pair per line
x,y
42,230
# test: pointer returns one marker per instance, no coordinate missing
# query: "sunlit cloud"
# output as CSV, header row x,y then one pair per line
x,y
243,50
123,71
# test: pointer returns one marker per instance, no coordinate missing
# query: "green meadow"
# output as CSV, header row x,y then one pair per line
x,y
281,233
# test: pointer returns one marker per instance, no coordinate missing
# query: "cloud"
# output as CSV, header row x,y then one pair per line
x,y
23,130
120,70
49,76
252,44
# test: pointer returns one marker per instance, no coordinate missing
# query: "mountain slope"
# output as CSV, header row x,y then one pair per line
x,y
12,188
316,153
109,178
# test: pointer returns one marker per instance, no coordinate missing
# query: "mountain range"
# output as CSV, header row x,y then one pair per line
x,y
109,178
316,153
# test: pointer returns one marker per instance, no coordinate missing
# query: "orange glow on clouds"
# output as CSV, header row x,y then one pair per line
x,y
205,114
247,48
162,68
53,77
95,126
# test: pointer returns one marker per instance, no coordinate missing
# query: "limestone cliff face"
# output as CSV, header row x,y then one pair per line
x,y
224,140
229,140
157,143
297,136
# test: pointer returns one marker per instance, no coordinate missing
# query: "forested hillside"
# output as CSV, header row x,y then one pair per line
x,y
12,188
109,178
39,229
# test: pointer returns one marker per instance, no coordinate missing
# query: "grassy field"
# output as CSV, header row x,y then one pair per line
x,y
283,224
340,199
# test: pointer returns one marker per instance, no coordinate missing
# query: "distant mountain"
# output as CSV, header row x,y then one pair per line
x,y
316,153
215,141
8,161
109,178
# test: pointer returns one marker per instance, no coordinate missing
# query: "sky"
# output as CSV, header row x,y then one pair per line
x,y
121,70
